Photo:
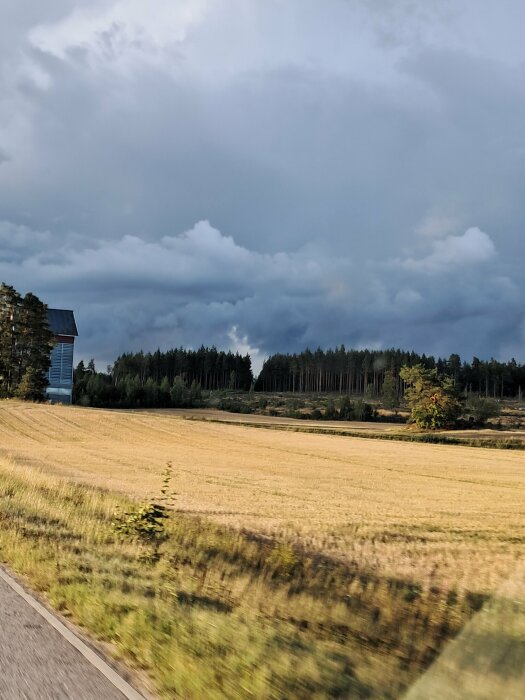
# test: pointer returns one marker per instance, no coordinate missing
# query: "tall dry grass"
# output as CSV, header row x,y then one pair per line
x,y
221,613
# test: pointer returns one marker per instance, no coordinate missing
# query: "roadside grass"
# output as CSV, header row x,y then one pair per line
x,y
223,613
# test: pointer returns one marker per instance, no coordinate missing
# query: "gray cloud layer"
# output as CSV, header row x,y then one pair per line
x,y
362,164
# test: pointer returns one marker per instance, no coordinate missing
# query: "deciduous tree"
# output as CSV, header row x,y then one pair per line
x,y
432,400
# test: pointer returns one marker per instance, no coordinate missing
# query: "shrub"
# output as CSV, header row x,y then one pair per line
x,y
346,408
234,406
359,410
282,560
363,411
331,412
146,523
479,409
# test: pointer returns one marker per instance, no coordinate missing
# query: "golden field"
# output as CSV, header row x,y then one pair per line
x,y
435,515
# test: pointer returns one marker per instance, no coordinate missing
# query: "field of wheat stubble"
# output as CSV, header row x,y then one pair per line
x,y
440,515
407,538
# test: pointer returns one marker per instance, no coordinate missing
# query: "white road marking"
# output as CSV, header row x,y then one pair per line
x,y
93,658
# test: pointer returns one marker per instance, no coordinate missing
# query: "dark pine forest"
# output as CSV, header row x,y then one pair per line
x,y
178,377
212,369
361,372
175,378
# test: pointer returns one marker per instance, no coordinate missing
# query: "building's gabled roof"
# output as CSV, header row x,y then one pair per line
x,y
62,322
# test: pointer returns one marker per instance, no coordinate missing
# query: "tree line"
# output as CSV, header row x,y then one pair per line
x,y
25,345
211,368
178,376
175,378
363,372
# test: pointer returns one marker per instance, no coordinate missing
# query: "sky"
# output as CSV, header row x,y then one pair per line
x,y
266,175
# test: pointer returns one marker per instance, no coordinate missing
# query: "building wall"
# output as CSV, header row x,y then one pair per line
x,y
60,375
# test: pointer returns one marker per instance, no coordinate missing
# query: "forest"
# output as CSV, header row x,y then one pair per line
x,y
175,378
210,368
363,372
178,377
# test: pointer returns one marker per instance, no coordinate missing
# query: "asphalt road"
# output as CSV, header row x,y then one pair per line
x,y
37,663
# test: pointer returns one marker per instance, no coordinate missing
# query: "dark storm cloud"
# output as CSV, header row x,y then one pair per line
x,y
346,157
132,293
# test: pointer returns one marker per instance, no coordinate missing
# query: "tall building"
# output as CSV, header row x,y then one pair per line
x,y
60,375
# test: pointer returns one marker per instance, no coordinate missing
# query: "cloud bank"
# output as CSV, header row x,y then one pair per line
x,y
200,286
360,164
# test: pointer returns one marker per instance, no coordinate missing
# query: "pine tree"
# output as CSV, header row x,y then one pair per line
x,y
10,301
390,394
25,344
35,342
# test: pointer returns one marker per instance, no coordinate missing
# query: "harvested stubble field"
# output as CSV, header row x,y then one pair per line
x,y
437,515
367,555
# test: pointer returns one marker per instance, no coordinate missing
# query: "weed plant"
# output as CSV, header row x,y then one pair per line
x,y
146,523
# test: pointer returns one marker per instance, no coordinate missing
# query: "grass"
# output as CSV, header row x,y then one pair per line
x,y
298,564
435,515
223,613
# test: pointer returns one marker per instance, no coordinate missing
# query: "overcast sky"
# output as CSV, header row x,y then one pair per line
x,y
267,174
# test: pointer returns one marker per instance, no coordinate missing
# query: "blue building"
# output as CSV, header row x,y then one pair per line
x,y
60,375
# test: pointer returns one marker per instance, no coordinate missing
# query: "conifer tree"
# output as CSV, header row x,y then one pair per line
x,y
9,310
35,343
390,393
25,344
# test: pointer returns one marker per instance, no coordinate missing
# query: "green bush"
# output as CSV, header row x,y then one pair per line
x,y
479,409
234,405
359,410
331,413
363,411
146,523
